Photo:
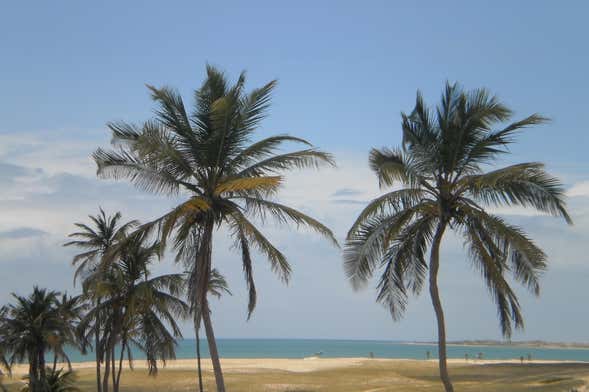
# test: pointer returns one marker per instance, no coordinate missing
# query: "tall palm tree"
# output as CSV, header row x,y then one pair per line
x,y
208,157
27,329
444,186
96,240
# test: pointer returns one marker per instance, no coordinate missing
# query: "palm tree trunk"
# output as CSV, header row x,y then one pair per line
x,y
33,371
206,316
113,364
54,362
106,374
198,364
42,370
96,349
116,387
204,267
434,266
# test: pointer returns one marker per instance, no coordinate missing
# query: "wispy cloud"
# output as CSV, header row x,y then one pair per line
x,y
22,232
579,189
346,192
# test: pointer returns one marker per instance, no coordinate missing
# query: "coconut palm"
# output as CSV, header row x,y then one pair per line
x,y
209,158
141,310
71,309
95,241
29,328
443,186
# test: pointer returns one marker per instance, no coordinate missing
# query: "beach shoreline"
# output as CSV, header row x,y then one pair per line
x,y
301,365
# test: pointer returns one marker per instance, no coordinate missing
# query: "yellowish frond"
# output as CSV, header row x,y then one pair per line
x,y
268,183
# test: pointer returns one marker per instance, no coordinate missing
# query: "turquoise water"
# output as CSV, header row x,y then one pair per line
x,y
299,348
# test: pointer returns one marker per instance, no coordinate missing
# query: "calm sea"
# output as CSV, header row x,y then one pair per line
x,y
299,348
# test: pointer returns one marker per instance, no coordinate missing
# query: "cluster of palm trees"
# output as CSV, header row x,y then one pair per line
x,y
45,321
207,155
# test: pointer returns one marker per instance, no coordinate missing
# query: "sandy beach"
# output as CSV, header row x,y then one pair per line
x,y
303,365
344,375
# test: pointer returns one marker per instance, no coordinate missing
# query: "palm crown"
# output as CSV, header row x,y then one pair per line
x,y
209,156
443,183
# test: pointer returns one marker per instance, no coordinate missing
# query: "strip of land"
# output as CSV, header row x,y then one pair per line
x,y
521,343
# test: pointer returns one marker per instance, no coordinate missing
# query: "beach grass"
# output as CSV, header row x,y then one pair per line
x,y
367,376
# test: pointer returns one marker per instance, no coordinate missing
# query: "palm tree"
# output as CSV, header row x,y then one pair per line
x,y
208,157
96,240
71,309
444,186
138,307
28,328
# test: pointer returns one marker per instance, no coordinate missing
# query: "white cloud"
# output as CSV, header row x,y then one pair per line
x,y
47,195
579,189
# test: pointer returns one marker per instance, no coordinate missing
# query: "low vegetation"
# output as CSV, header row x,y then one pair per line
x,y
371,376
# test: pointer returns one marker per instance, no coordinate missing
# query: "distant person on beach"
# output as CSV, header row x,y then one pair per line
x,y
521,359
427,355
466,357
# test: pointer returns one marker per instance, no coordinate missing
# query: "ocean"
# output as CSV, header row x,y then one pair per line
x,y
300,348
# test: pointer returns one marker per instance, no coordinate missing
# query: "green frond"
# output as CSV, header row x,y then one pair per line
x,y
123,165
171,111
394,202
218,284
263,149
366,246
406,267
284,214
303,159
487,146
525,259
277,260
256,105
242,243
525,184
392,166
492,269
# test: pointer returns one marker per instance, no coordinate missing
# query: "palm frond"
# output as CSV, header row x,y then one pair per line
x,y
247,184
277,260
525,184
263,208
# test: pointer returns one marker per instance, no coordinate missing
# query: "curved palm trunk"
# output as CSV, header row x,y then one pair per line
x,y
54,368
203,261
434,266
106,371
198,364
113,364
96,348
120,370
206,316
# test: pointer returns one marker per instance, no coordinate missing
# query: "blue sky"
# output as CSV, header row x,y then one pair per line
x,y
346,70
